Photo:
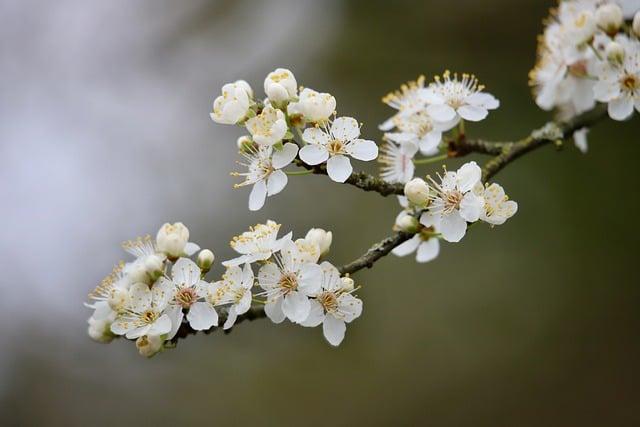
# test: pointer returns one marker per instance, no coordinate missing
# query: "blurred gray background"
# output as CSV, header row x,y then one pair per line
x,y
105,135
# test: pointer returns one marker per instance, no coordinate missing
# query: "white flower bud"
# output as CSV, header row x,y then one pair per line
x,y
100,330
406,222
609,17
417,191
172,238
234,104
636,24
244,143
280,85
321,238
615,53
347,283
149,345
154,264
136,272
313,106
269,127
205,259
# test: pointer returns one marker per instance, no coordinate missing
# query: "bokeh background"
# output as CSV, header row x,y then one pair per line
x,y
105,135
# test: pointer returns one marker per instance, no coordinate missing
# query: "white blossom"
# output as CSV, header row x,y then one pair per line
x,y
396,164
497,206
280,85
173,240
265,164
452,98
149,345
257,244
234,290
100,327
609,17
148,263
419,131
425,243
333,145
453,202
408,100
268,127
333,306
320,237
112,294
234,104
619,84
288,283
314,107
417,191
144,314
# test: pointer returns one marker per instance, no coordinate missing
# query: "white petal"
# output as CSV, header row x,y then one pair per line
x,y
345,128
362,149
621,108
467,176
428,251
175,314
269,274
429,144
231,319
282,158
407,247
453,227
202,316
441,112
273,310
257,196
276,182
162,292
296,306
310,279
580,139
140,296
315,136
605,91
314,154
387,125
350,307
185,272
191,248
429,220
472,113
333,330
161,326
316,315
471,206
339,168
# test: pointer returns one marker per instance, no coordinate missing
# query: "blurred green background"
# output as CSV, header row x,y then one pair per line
x,y
531,323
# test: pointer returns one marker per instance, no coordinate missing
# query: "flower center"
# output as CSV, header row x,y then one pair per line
x,y
335,147
288,282
452,200
149,316
328,301
630,82
186,297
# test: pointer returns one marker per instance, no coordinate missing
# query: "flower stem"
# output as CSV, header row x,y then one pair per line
x,y
304,172
428,160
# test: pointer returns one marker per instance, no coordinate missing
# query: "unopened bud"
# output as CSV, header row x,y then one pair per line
x,y
636,24
172,239
407,223
615,53
245,143
609,17
154,264
100,330
205,259
149,345
321,238
347,284
417,191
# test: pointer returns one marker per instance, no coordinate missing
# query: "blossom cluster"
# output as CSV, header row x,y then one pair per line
x,y
589,54
442,208
272,124
423,114
150,298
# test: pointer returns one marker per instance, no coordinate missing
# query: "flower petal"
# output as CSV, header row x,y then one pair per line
x,y
453,227
314,154
441,112
161,326
472,113
467,176
273,310
345,128
202,316
339,168
296,306
276,182
310,279
471,206
282,158
185,272
428,251
315,135
257,196
362,149
333,330
407,247
316,315
621,108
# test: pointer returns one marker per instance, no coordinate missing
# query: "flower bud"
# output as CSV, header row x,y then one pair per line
x,y
172,238
234,104
407,223
136,272
154,264
321,238
609,17
615,53
315,107
347,283
417,191
100,330
636,24
205,259
242,84
149,345
245,143
280,85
